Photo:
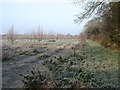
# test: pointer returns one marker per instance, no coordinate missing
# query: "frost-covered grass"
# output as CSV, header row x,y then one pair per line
x,y
103,62
92,65
30,47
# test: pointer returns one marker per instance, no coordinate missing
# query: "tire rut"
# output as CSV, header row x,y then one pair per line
x,y
11,76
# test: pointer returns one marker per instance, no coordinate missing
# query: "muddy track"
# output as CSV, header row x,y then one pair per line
x,y
11,73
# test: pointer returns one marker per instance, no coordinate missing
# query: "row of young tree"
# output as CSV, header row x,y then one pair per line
x,y
105,26
38,35
12,35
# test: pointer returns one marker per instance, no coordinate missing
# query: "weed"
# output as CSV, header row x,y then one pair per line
x,y
35,79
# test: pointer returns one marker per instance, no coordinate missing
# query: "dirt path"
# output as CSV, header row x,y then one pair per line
x,y
11,72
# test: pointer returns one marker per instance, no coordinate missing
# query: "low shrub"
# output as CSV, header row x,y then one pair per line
x,y
52,40
35,79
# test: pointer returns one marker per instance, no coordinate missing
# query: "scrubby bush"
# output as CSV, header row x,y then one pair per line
x,y
52,40
82,38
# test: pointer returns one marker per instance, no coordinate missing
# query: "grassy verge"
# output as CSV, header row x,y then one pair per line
x,y
90,66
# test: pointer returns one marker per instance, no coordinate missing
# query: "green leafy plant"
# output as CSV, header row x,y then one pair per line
x,y
35,79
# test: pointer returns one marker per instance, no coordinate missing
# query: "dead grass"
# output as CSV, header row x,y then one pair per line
x,y
43,56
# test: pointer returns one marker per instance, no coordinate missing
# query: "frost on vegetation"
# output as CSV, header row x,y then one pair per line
x,y
34,79
83,66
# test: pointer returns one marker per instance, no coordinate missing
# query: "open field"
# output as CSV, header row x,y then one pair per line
x,y
22,56
60,44
65,62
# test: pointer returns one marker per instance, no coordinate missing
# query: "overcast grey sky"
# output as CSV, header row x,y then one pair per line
x,y
53,16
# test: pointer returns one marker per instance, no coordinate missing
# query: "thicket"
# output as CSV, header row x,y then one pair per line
x,y
104,27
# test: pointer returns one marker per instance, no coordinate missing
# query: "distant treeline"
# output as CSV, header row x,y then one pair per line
x,y
45,36
35,35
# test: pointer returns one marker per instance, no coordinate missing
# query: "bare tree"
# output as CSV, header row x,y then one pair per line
x,y
39,34
11,35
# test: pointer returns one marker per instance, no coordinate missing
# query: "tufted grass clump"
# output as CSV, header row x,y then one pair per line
x,y
43,56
